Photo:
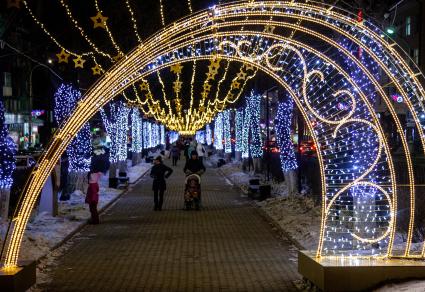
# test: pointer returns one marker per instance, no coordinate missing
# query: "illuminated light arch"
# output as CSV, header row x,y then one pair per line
x,y
217,32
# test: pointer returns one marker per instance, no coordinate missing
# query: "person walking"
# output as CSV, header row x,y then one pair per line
x,y
159,173
201,151
175,154
92,196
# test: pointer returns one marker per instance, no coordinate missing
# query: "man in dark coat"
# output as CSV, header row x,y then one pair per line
x,y
159,173
194,165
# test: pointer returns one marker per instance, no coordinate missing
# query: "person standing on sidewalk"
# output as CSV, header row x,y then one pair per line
x,y
159,173
175,154
92,197
201,151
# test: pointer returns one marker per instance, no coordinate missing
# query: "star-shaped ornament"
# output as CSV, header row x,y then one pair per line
x,y
210,76
269,28
213,70
14,3
177,86
241,75
236,84
144,86
204,94
118,57
99,20
176,68
96,70
79,62
215,63
207,87
63,56
249,67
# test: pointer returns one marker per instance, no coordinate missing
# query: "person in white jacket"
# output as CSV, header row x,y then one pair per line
x,y
201,151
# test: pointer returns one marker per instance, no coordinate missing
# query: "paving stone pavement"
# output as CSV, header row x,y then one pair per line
x,y
227,246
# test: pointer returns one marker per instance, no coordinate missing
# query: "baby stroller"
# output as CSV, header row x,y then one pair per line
x,y
192,192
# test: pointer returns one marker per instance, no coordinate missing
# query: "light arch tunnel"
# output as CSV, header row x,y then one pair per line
x,y
362,194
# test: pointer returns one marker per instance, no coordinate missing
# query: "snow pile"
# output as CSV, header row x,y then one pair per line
x,y
298,216
234,172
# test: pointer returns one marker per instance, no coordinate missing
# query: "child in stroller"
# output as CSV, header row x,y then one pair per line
x,y
192,192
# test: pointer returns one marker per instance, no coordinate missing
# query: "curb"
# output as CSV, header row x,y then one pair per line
x,y
266,216
85,222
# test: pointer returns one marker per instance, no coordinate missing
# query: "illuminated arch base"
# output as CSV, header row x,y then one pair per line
x,y
360,198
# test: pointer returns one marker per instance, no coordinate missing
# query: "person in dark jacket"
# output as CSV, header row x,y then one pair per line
x,y
194,165
175,154
159,173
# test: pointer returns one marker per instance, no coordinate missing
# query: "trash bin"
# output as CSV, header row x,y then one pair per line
x,y
265,191
254,186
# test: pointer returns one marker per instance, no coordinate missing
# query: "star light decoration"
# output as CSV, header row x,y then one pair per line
x,y
79,62
99,20
63,56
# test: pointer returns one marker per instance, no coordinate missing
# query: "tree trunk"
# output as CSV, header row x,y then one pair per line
x,y
257,164
291,182
4,204
238,155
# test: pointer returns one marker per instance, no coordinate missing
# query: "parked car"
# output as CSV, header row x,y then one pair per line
x,y
307,147
25,161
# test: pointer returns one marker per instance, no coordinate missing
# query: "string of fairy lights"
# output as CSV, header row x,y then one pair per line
x,y
186,124
338,112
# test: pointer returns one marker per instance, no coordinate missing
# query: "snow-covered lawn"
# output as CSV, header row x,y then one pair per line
x,y
45,232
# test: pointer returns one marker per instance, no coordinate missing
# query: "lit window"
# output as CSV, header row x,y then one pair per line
x,y
416,56
7,79
408,25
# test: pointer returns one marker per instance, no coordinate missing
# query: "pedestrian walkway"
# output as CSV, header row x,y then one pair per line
x,y
228,246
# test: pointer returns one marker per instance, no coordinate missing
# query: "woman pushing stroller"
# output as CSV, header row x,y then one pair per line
x,y
193,169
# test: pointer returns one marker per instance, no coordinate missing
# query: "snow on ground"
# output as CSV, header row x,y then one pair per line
x,y
45,232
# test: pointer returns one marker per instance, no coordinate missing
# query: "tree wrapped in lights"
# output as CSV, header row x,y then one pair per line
x,y
115,120
239,130
251,137
208,135
226,132
7,165
200,136
284,141
136,135
173,136
79,151
218,131
7,153
162,135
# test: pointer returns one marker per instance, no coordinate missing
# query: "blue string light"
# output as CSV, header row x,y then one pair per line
x,y
251,137
79,151
7,153
208,135
283,135
226,132
218,131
